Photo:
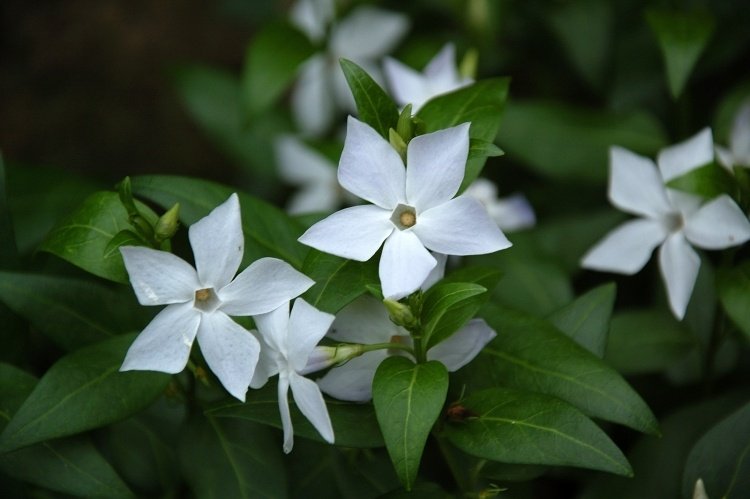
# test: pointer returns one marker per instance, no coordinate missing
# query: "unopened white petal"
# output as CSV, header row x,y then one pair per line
x,y
626,249
460,227
436,163
368,33
310,401
353,380
158,277
407,85
718,224
461,348
370,167
355,233
231,352
679,159
307,326
264,285
218,243
312,97
365,320
165,343
404,264
679,265
635,185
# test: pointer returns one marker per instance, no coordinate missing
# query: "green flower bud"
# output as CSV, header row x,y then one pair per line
x,y
168,223
400,314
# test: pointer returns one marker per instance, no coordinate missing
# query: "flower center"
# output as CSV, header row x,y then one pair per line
x,y
674,222
404,217
206,300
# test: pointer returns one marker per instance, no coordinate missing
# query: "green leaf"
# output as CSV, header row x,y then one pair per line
x,y
8,252
271,63
71,312
408,398
722,458
82,237
481,149
81,391
586,319
374,105
708,181
734,293
268,230
530,354
337,281
642,341
123,238
447,307
682,38
487,277
567,143
480,104
231,458
531,428
354,425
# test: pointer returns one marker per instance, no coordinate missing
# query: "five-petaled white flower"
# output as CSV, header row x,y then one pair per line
x,y
413,210
289,339
440,76
670,218
364,36
510,213
738,153
200,300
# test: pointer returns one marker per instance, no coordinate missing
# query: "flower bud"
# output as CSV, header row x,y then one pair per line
x,y
168,223
468,67
325,356
397,143
405,125
400,314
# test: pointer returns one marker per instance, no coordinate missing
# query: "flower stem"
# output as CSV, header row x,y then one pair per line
x,y
390,346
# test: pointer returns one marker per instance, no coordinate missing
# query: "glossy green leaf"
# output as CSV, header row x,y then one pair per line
x,y
354,425
123,238
708,181
722,458
586,319
374,106
82,237
487,277
337,281
447,307
531,354
71,312
682,38
568,143
81,391
408,398
481,149
231,458
8,252
643,341
734,292
271,63
514,426
268,230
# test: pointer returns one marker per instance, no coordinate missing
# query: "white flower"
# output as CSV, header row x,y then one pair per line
x,y
440,76
366,321
289,341
363,37
738,153
414,209
670,219
510,213
199,302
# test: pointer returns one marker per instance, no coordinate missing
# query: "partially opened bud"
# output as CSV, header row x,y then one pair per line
x,y
400,314
323,357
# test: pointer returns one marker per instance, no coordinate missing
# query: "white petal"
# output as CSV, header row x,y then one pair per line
x,y
354,233
627,248
679,265
302,165
267,363
316,198
512,213
718,224
218,244
263,286
483,190
307,326
740,138
724,158
436,273
370,167
679,159
407,85
436,163
158,277
404,264
368,33
286,418
165,343
461,348
460,227
310,401
365,320
442,67
635,185
230,351
312,97
312,17
353,380
274,328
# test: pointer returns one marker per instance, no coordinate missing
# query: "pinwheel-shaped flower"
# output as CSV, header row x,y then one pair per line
x,y
510,213
413,208
440,76
200,300
289,339
671,219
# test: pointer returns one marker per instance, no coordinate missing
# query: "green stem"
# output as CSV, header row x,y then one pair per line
x,y
390,346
